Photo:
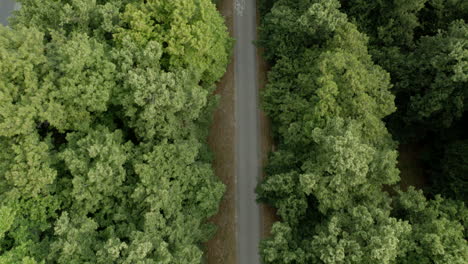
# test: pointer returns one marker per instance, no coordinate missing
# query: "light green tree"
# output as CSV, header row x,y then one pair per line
x,y
105,108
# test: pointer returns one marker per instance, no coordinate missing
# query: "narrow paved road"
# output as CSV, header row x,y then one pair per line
x,y
247,127
6,7
248,136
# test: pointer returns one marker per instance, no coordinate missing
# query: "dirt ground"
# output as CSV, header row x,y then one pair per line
x,y
411,169
221,249
268,214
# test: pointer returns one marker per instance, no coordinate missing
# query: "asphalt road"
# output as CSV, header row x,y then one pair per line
x,y
247,132
6,7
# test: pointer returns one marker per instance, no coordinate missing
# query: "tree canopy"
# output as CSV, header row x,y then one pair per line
x,y
429,73
335,162
104,111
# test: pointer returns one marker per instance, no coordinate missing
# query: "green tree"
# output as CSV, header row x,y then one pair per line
x,y
388,22
344,169
23,61
338,80
62,82
27,197
438,78
438,229
438,15
422,43
452,167
305,22
360,234
105,108
335,158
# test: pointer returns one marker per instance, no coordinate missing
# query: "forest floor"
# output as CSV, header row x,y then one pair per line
x,y
221,249
410,165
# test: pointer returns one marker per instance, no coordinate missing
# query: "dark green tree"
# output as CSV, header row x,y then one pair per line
x,y
335,158
438,232
437,78
388,22
338,80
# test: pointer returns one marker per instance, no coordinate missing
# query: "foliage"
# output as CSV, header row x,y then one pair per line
x,y
427,65
438,228
361,234
345,168
451,169
327,100
42,82
444,97
395,24
431,81
341,81
305,22
103,117
365,233
429,74
438,15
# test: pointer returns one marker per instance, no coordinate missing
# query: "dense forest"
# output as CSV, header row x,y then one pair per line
x,y
104,113
350,82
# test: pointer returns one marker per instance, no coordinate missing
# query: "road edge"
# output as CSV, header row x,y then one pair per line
x,y
222,247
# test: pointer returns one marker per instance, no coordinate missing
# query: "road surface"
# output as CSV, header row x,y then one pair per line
x,y
248,136
6,7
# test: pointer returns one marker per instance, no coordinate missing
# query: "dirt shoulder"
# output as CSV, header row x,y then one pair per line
x,y
268,213
221,249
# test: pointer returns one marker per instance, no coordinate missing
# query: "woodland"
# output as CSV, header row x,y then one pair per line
x,y
105,107
104,113
350,82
